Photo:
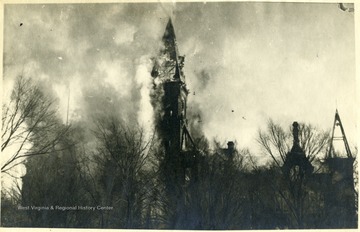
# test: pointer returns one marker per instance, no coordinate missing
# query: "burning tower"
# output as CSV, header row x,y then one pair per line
x,y
169,95
171,120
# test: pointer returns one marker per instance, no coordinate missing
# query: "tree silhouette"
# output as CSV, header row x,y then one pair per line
x,y
122,153
29,116
276,142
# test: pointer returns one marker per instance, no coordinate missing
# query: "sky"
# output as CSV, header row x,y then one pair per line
x,y
245,62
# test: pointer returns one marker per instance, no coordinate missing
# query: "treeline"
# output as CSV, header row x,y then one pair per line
x,y
111,164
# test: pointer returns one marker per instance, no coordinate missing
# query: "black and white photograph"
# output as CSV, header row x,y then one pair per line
x,y
176,115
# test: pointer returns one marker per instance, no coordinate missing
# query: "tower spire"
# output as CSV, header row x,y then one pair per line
x,y
169,40
169,64
296,133
337,122
296,157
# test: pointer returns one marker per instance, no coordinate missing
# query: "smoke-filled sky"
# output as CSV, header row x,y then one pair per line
x,y
244,62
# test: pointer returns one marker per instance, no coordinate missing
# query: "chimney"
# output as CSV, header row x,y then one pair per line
x,y
231,147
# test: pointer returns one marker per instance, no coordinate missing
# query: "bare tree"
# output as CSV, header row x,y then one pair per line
x,y
122,153
290,194
29,116
276,142
313,141
218,199
56,180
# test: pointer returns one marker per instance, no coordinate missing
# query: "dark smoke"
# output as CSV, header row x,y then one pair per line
x,y
204,78
195,121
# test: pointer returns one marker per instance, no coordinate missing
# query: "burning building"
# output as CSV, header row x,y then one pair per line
x,y
171,91
332,188
180,164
